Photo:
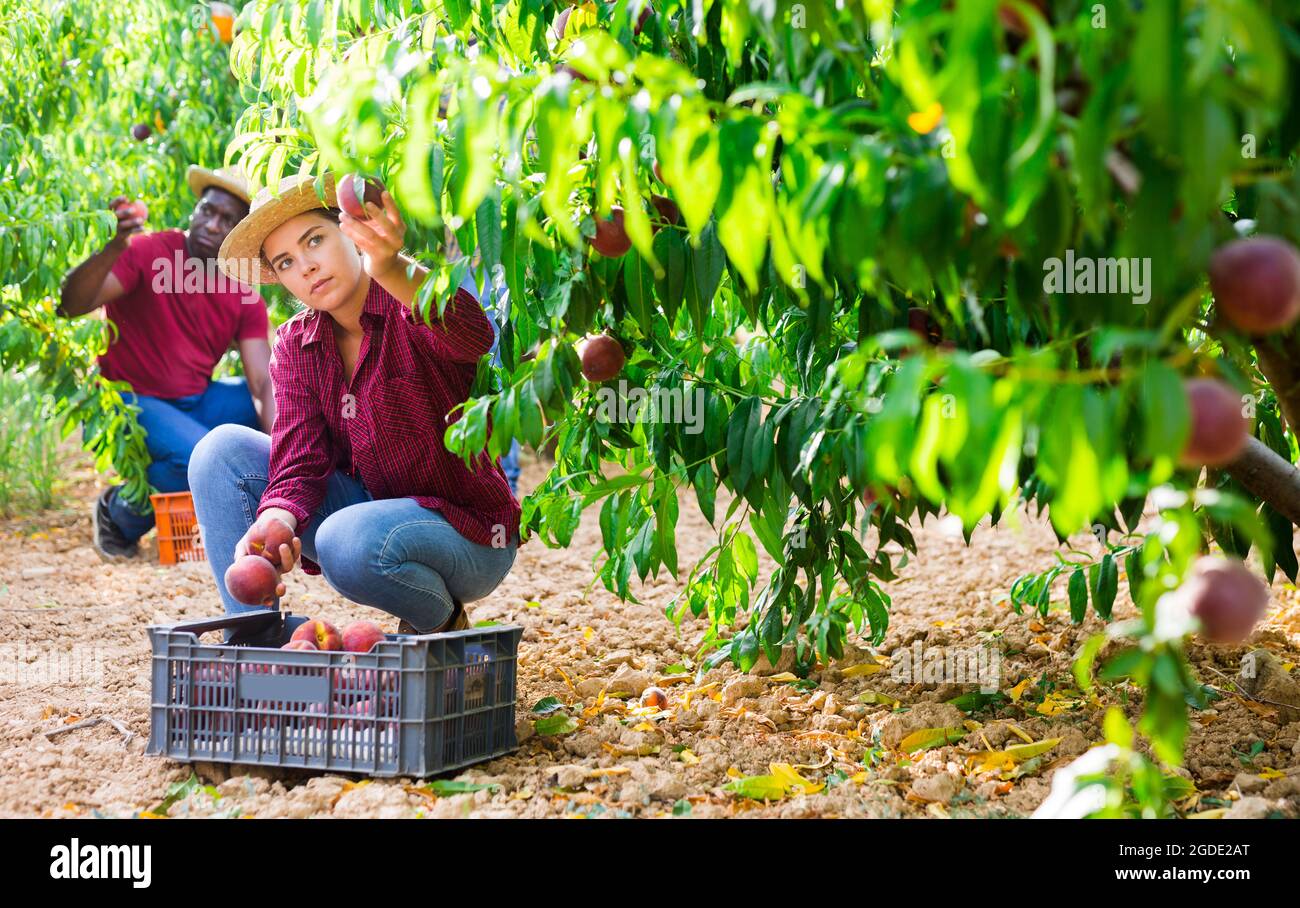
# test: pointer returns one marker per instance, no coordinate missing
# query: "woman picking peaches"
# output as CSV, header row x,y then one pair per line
x,y
355,472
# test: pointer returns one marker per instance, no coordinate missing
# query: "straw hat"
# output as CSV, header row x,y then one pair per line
x,y
227,178
241,254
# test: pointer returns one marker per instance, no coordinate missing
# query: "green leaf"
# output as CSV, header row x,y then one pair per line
x,y
1078,591
1105,583
758,788
670,248
705,491
746,555
706,262
556,725
638,282
744,204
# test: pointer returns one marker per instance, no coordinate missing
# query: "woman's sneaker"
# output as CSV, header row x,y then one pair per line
x,y
109,541
458,621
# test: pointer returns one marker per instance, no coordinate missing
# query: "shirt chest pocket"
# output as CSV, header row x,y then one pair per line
x,y
404,416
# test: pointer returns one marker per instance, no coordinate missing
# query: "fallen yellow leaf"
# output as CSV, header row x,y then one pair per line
x,y
872,696
1007,759
1020,733
791,779
861,670
1018,691
688,758
927,738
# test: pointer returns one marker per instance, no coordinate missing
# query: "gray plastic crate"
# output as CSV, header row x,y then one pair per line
x,y
412,706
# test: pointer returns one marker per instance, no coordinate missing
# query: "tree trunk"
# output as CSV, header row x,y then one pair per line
x,y
1269,477
1279,360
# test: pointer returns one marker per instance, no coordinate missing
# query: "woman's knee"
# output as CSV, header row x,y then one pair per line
x,y
347,555
229,450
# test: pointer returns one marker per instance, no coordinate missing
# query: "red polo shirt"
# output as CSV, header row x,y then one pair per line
x,y
176,319
386,426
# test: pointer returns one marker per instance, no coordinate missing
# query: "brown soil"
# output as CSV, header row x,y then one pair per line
x,y
61,604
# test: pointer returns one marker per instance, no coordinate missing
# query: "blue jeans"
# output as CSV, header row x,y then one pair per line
x,y
173,427
390,553
510,466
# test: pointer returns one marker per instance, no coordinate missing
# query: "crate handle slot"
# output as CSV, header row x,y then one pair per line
x,y
247,624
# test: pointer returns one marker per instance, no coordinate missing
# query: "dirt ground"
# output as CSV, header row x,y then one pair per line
x,y
68,618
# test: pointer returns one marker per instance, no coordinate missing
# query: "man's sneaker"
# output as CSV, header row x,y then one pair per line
x,y
109,542
458,621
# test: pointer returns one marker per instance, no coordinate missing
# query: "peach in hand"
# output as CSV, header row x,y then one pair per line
x,y
354,191
252,580
266,537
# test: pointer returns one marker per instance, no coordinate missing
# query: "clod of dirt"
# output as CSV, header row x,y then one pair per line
x,y
1249,783
1264,678
628,681
898,726
589,687
784,662
1288,787
1250,809
524,729
618,657
388,802
942,788
572,776
740,688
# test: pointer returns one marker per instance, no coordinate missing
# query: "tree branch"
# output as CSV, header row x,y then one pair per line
x,y
1269,477
1279,360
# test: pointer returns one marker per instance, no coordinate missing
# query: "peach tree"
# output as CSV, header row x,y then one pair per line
x,y
96,101
900,257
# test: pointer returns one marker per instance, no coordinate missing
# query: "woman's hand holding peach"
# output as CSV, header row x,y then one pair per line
x,y
378,238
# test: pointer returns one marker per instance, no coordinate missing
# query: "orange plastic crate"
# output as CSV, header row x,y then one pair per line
x,y
178,529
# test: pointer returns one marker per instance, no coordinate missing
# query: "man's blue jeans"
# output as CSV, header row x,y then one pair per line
x,y
174,427
510,466
390,553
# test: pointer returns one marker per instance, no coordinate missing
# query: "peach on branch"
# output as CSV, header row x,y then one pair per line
x,y
602,358
611,239
667,209
354,191
1225,596
1256,283
1219,427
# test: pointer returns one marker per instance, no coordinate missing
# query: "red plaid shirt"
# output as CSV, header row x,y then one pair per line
x,y
385,427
